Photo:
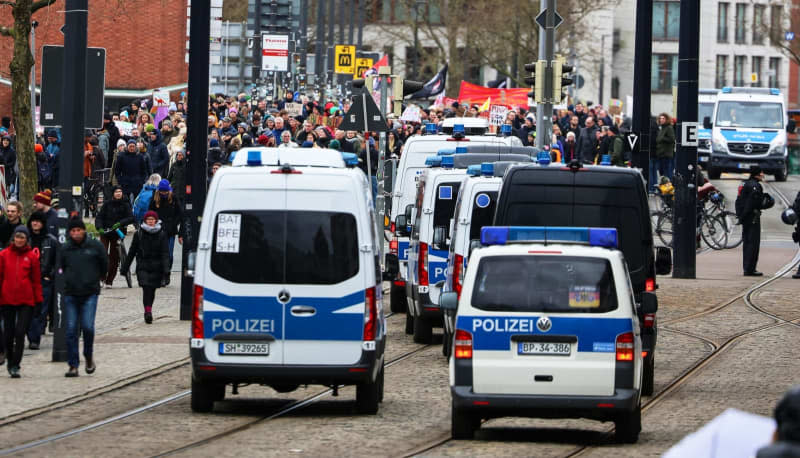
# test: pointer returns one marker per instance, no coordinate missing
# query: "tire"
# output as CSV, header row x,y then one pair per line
x,y
369,394
713,232
663,227
781,174
447,343
463,425
733,228
203,396
714,173
423,331
409,323
397,299
648,374
628,426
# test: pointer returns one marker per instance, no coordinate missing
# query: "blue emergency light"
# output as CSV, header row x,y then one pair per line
x,y
350,159
446,151
726,90
433,161
605,160
505,130
774,91
592,236
474,170
431,128
487,169
254,157
448,162
458,129
543,158
461,150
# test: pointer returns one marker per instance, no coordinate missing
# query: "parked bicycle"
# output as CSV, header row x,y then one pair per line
x,y
716,226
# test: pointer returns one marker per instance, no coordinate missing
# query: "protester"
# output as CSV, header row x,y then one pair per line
x,y
149,248
131,170
142,202
47,247
41,203
169,212
114,215
9,221
177,175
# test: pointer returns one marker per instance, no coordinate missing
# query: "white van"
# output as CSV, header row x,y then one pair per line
x,y
706,99
287,287
455,132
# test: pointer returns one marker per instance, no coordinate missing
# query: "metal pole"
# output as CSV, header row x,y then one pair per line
x,y
319,46
640,125
415,62
381,199
227,39
257,43
351,25
602,69
331,39
685,222
360,22
544,111
302,71
33,79
200,28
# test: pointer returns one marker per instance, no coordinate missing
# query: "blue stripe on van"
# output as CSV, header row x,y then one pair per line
x,y
594,334
402,250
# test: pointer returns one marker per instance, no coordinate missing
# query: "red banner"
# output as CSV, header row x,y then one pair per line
x,y
472,93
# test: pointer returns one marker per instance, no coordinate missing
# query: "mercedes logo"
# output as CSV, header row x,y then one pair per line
x,y
748,148
284,297
544,324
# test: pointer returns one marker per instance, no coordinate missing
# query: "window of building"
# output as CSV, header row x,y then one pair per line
x,y
774,71
775,21
722,23
741,22
666,20
664,72
722,71
755,65
759,25
739,63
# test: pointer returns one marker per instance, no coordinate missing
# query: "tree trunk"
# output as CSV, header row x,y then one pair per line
x,y
21,111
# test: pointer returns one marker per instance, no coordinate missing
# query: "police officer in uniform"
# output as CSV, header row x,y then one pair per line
x,y
755,200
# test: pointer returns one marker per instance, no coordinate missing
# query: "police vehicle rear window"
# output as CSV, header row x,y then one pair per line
x,y
444,208
286,247
482,213
557,284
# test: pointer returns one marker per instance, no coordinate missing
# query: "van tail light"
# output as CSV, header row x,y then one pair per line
x,y
650,285
422,264
458,274
393,243
649,320
370,314
625,347
392,227
197,313
462,345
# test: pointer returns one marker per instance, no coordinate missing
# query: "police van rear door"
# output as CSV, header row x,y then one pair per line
x,y
544,325
444,207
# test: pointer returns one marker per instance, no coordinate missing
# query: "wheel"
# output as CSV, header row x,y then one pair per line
x,y
423,331
733,228
713,232
628,426
219,391
409,323
381,379
714,173
368,395
648,374
123,254
446,344
203,396
664,227
397,300
781,174
463,425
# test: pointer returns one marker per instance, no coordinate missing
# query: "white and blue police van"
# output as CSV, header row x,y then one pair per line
x,y
706,99
546,327
287,283
453,133
748,128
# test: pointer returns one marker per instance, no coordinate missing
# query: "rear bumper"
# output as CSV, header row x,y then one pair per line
x,y
425,309
726,163
365,370
536,406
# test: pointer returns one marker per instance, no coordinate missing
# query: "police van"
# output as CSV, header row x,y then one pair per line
x,y
287,283
547,327
749,128
706,99
454,132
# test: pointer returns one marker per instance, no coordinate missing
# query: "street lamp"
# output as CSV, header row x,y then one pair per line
x,y
417,5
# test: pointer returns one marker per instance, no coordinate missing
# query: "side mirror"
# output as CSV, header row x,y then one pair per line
x,y
791,126
663,260
439,236
474,244
449,301
409,210
707,122
400,225
649,303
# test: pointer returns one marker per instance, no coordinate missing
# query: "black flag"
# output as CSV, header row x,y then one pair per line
x,y
433,87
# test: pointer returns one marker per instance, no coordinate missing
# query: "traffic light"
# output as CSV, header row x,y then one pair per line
x,y
536,80
561,78
400,89
367,81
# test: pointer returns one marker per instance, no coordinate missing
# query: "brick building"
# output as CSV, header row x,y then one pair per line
x,y
145,43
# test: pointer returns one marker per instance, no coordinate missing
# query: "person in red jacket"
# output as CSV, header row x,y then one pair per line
x,y
20,291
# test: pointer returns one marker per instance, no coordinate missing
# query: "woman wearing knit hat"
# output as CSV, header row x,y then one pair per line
x,y
169,211
149,247
20,292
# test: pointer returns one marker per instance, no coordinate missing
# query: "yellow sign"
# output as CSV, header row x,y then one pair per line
x,y
345,59
362,65
754,77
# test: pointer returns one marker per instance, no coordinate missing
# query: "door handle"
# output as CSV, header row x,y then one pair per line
x,y
303,310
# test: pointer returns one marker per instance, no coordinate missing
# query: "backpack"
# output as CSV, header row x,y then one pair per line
x,y
739,204
142,203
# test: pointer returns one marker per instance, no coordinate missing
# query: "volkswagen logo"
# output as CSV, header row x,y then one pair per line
x,y
544,324
748,148
284,297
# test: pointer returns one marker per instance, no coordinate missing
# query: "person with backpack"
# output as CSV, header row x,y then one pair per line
x,y
142,202
149,248
114,214
749,203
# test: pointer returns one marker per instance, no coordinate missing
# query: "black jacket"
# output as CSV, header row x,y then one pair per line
x,y
177,178
8,157
131,171
587,144
83,265
171,215
113,212
52,222
151,250
48,249
159,156
753,195
6,229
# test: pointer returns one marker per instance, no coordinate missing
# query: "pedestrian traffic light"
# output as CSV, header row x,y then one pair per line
x,y
536,80
560,78
367,81
401,88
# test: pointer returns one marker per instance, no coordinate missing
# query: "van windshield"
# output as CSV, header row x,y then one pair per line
x,y
731,113
285,247
705,110
557,284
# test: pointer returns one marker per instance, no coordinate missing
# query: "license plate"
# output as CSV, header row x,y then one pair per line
x,y
745,165
254,349
543,348
702,158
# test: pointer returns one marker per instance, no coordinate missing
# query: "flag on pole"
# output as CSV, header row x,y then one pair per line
x,y
433,87
485,106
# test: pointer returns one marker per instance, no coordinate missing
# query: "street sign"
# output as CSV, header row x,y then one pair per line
x,y
789,36
689,133
362,65
632,138
345,59
275,52
541,19
754,77
53,88
359,117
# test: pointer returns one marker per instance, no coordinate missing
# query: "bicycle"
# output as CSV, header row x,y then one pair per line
x,y
711,228
731,223
93,195
123,252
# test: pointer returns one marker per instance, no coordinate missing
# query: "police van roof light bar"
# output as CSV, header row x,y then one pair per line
x,y
253,158
474,170
592,236
487,169
350,159
448,162
446,151
433,161
431,128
